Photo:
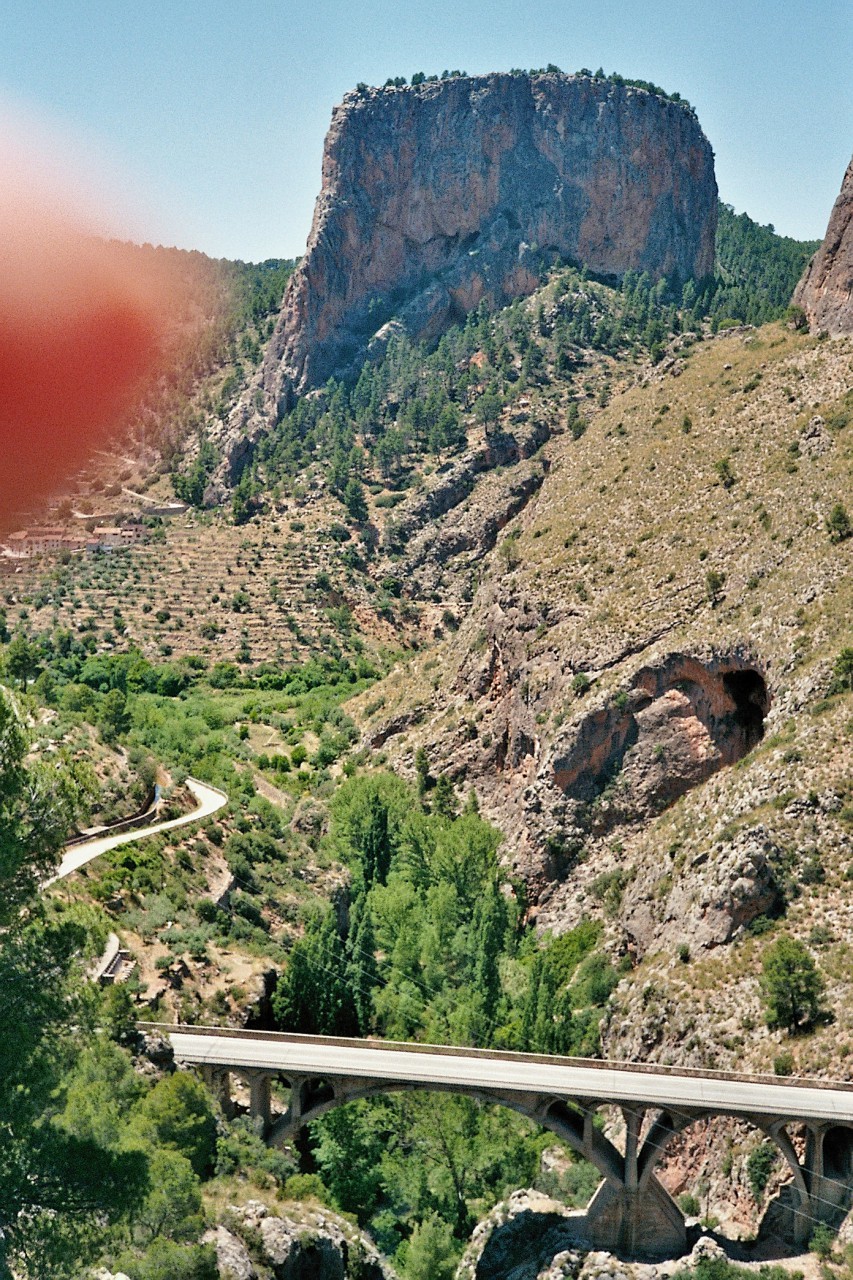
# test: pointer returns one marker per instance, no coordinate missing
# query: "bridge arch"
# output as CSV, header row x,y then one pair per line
x,y
820,1183
669,1124
620,1216
838,1153
311,1099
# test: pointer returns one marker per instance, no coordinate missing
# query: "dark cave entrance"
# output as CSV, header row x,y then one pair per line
x,y
683,720
748,691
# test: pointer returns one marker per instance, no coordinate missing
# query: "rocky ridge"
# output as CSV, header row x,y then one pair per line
x,y
826,290
493,176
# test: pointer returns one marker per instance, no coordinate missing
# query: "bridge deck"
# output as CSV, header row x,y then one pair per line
x,y
478,1070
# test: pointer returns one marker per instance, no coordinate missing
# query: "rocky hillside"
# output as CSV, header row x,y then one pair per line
x,y
826,290
490,174
670,604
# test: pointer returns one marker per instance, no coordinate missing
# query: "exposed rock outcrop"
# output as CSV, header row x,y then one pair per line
x,y
525,1238
439,196
723,892
297,1243
232,1256
826,290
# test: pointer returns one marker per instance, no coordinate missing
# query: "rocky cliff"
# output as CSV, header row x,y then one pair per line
x,y
437,197
826,290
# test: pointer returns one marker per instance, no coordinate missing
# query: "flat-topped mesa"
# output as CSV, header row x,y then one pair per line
x,y
826,290
438,196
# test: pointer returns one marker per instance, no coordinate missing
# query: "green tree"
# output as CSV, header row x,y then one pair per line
x,y
23,661
422,771
57,1188
838,526
447,1152
243,499
489,929
714,583
38,804
376,843
363,970
177,1114
173,1205
348,1147
487,410
444,797
113,716
101,1092
355,501
791,985
313,995
431,1252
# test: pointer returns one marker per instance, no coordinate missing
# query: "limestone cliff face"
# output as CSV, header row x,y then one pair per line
x,y
826,290
439,196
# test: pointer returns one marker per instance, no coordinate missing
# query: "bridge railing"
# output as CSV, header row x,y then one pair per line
x,y
599,1064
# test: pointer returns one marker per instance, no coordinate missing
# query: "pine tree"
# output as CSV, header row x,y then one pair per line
x,y
376,843
363,970
489,931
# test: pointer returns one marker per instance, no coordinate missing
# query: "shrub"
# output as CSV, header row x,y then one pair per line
x,y
725,472
165,1260
813,871
822,1241
838,524
305,1186
207,910
508,551
842,672
759,1166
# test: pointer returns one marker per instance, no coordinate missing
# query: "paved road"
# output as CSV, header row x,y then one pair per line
x,y
318,1056
210,800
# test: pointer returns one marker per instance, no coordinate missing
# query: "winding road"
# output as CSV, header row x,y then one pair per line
x,y
210,801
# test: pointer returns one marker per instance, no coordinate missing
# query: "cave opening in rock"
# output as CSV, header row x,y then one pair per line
x,y
748,691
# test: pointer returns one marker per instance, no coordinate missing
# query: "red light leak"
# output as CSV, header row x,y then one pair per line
x,y
82,322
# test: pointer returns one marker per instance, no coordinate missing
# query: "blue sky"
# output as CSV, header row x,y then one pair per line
x,y
214,111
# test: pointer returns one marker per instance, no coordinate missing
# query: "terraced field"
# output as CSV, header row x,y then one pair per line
x,y
249,593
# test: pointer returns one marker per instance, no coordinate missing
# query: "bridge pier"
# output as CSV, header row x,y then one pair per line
x,y
260,1105
292,1118
218,1081
633,1215
828,1167
635,1223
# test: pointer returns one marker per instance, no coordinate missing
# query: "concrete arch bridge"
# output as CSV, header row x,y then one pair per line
x,y
631,1212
